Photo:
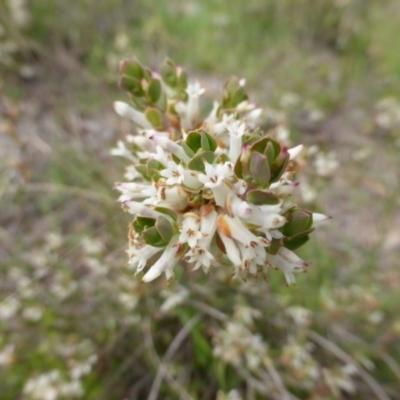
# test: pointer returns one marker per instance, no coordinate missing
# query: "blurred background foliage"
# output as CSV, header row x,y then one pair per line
x,y
76,324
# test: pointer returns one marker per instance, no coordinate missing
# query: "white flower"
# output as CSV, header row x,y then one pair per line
x,y
139,258
295,151
236,131
326,164
7,355
125,110
190,232
214,179
122,151
189,111
288,262
174,173
165,263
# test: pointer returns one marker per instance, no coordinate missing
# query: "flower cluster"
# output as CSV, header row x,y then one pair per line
x,y
209,188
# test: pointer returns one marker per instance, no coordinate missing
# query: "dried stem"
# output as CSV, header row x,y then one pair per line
x,y
162,371
342,355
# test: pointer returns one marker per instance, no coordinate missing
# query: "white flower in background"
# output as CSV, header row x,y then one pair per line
x,y
7,355
326,164
8,308
51,386
211,192
237,345
32,313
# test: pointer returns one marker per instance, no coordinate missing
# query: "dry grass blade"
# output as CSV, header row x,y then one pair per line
x,y
162,371
69,190
339,353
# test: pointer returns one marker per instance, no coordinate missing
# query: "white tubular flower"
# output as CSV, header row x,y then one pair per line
x,y
212,192
171,146
319,218
165,263
124,110
190,231
212,117
253,118
122,151
295,151
220,127
137,208
131,173
289,263
234,228
194,91
139,258
189,111
174,173
133,190
236,131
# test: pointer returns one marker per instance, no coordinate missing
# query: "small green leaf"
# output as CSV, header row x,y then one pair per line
x,y
153,169
140,103
169,73
131,85
167,211
208,143
142,223
299,221
193,140
279,166
164,228
260,198
142,169
197,162
132,68
238,97
152,237
259,168
182,80
274,247
295,243
154,90
154,116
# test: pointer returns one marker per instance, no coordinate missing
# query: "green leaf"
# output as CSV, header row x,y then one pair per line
x,y
259,169
279,166
238,97
140,103
154,90
260,198
142,223
295,243
153,169
152,237
298,221
169,73
142,169
197,162
131,85
193,140
164,228
167,211
274,247
132,68
182,80
154,116
207,141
